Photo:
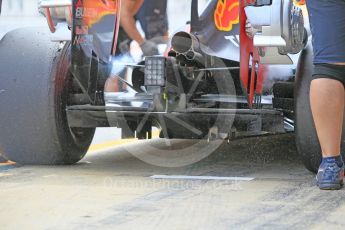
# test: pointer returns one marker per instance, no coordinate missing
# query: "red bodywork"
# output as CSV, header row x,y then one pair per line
x,y
95,11
252,74
227,14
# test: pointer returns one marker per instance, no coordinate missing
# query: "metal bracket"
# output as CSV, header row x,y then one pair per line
x,y
270,38
48,5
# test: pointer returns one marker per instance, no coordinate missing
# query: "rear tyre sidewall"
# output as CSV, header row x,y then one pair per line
x,y
35,79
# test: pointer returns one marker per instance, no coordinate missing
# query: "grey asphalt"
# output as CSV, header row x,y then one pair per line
x,y
112,189
19,13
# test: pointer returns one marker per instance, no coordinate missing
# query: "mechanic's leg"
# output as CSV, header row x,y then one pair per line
x,y
327,88
327,103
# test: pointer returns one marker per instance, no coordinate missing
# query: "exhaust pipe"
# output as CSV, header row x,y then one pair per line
x,y
195,56
187,45
182,42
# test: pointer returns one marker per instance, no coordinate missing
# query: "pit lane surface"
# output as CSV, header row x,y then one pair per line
x,y
112,189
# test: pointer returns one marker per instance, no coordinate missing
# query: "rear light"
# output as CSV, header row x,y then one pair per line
x,y
155,71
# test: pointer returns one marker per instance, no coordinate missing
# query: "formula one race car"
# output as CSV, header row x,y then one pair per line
x,y
230,74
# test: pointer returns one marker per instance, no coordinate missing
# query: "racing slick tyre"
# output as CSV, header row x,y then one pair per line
x,y
35,85
307,142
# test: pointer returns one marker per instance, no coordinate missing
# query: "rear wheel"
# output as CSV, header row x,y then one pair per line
x,y
306,137
36,86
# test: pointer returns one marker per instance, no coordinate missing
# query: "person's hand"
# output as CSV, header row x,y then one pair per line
x,y
149,48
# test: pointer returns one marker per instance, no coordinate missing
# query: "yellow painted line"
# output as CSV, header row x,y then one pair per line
x,y
114,143
155,134
109,144
6,174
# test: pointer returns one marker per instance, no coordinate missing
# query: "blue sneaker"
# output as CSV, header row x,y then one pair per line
x,y
330,175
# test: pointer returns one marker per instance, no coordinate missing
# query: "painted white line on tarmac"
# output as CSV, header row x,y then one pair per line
x,y
182,177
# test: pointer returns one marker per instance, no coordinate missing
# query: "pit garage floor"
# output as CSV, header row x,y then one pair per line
x,y
112,189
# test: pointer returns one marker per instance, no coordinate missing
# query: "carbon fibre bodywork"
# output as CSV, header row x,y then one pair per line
x,y
218,32
94,34
220,39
